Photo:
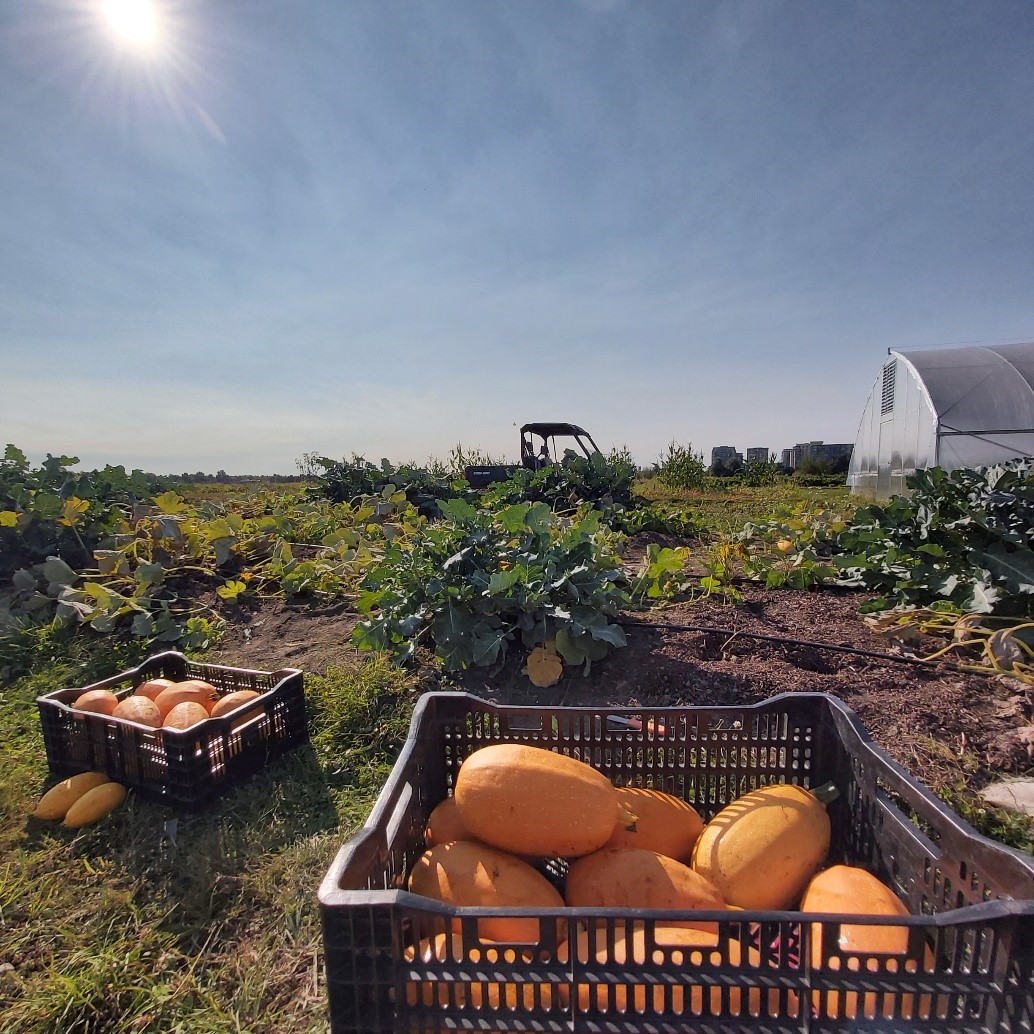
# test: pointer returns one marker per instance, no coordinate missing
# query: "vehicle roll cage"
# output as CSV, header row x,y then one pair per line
x,y
534,456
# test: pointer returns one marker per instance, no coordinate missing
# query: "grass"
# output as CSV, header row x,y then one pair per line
x,y
727,510
199,923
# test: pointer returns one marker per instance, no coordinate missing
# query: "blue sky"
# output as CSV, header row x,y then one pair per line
x,y
389,226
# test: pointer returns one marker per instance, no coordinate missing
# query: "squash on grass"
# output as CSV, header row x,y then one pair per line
x,y
59,798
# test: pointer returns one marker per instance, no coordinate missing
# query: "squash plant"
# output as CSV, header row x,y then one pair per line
x,y
961,540
476,582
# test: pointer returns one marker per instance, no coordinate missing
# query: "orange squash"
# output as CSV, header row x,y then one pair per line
x,y
533,801
138,709
456,993
192,689
185,716
96,701
233,701
444,825
473,874
622,877
664,823
679,951
761,850
152,687
847,889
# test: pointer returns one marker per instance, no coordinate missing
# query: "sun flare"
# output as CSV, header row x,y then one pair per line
x,y
135,21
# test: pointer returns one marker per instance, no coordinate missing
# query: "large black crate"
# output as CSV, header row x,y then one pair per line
x,y
969,965
182,768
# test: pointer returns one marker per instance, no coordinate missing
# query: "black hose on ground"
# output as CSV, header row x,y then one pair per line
x,y
732,633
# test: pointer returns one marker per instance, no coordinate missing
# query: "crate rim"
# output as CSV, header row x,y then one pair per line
x,y
280,674
331,894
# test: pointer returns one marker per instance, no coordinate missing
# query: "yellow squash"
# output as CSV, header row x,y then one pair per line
x,y
761,850
533,801
58,799
847,889
95,804
476,875
665,824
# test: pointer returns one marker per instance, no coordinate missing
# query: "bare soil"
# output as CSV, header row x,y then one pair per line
x,y
945,725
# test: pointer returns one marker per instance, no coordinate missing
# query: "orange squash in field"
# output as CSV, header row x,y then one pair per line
x,y
533,801
624,877
678,950
511,995
761,850
473,874
663,823
850,890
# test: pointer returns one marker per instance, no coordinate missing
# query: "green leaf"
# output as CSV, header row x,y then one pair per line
x,y
1013,567
503,581
459,511
149,574
57,573
170,503
983,598
23,580
613,634
514,519
223,549
231,590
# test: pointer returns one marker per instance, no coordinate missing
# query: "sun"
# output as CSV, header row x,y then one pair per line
x,y
135,21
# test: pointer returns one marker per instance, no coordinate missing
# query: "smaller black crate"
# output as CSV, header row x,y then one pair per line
x,y
968,968
188,768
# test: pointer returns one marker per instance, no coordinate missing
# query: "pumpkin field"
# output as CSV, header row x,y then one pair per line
x,y
591,582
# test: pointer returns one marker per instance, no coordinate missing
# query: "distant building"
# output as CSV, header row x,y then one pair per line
x,y
757,455
820,452
724,454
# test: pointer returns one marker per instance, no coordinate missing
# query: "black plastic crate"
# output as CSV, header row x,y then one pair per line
x,y
970,959
188,768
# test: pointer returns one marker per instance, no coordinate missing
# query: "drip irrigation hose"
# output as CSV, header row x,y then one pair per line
x,y
732,633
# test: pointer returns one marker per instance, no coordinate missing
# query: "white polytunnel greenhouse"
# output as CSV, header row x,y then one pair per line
x,y
970,406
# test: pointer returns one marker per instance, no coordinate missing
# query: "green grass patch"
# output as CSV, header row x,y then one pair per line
x,y
725,510
197,923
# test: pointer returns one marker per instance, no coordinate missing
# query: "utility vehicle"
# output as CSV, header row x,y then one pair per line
x,y
539,448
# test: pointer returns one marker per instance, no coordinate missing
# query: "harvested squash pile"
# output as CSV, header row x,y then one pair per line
x,y
516,805
164,704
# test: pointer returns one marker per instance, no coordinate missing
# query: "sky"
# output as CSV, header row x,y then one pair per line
x,y
388,227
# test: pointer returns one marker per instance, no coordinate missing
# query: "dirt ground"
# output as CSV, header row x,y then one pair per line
x,y
943,724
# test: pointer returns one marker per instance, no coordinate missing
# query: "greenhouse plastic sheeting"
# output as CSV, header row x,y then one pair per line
x,y
950,407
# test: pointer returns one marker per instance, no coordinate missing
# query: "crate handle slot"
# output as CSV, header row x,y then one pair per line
x,y
524,723
398,813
